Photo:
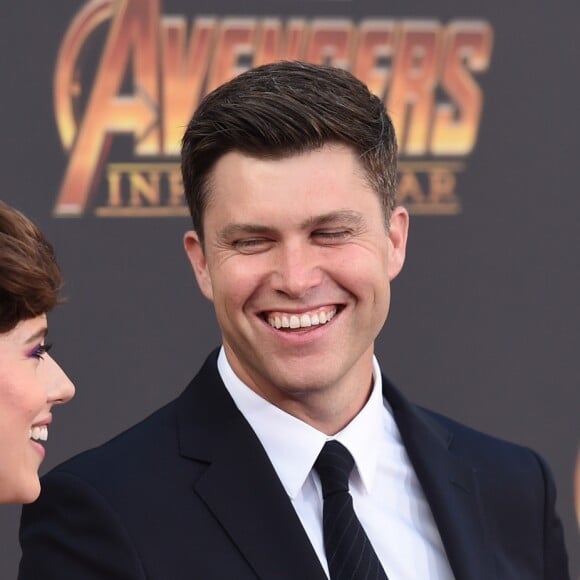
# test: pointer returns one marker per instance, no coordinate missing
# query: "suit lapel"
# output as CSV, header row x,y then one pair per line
x,y
450,486
240,486
241,489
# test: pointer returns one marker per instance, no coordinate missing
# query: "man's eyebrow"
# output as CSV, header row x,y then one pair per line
x,y
346,217
233,230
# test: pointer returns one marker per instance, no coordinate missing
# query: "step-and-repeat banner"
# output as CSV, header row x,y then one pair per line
x,y
484,324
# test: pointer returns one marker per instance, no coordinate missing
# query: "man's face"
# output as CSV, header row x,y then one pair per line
x,y
297,261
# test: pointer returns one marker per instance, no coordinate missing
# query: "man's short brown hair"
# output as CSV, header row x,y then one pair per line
x,y
282,109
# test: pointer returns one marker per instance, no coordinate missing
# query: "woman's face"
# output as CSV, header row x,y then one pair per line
x,y
31,382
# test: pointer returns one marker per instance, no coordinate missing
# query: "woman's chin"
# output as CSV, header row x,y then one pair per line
x,y
21,493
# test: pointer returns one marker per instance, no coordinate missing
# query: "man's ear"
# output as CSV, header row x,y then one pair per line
x,y
196,255
398,231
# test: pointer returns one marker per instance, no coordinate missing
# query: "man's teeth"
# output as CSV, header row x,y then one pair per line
x,y
301,321
39,433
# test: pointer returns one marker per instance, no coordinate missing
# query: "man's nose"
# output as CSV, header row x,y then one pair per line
x,y
297,270
60,388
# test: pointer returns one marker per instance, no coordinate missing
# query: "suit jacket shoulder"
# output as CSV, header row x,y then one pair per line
x,y
187,493
493,501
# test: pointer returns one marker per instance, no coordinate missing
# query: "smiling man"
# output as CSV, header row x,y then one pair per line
x,y
290,456
297,256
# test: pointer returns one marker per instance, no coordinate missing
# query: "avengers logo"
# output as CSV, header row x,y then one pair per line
x,y
128,79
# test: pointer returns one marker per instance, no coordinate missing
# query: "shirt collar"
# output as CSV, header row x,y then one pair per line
x,y
293,446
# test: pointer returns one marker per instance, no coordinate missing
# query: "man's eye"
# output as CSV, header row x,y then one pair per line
x,y
251,245
40,350
332,235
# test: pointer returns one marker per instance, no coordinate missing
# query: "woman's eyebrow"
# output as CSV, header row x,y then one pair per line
x,y
41,333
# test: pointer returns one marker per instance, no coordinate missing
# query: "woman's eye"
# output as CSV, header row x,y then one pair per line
x,y
40,350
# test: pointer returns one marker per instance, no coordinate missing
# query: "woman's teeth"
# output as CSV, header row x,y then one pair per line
x,y
301,321
39,433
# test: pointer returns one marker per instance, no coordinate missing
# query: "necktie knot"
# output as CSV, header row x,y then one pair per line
x,y
334,466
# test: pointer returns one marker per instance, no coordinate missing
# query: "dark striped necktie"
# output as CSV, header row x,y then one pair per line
x,y
349,552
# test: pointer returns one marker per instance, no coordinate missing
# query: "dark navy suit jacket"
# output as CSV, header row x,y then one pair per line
x,y
189,493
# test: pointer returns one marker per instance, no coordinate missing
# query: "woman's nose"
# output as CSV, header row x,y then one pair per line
x,y
60,388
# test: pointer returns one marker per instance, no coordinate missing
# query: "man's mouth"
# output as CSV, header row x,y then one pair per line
x,y
288,320
39,433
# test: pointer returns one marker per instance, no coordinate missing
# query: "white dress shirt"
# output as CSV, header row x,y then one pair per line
x,y
387,496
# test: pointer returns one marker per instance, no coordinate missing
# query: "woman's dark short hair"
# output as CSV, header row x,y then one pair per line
x,y
282,109
30,278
